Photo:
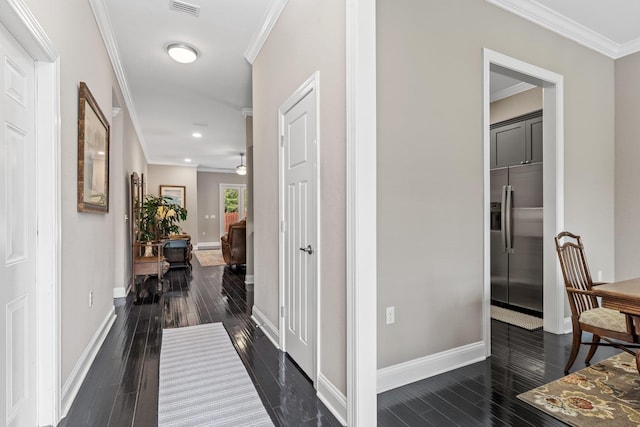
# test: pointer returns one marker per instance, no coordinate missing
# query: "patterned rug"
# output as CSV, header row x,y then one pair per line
x,y
207,258
605,394
516,318
203,381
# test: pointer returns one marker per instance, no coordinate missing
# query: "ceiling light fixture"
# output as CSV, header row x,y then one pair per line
x,y
182,52
241,169
187,160
196,135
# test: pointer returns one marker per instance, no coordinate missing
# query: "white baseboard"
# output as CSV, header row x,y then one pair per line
x,y
269,329
121,291
79,372
418,369
333,399
207,245
568,326
248,279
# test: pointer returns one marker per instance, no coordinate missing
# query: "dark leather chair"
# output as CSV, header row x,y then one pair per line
x,y
234,244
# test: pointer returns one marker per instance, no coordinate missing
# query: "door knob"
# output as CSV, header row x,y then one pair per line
x,y
308,249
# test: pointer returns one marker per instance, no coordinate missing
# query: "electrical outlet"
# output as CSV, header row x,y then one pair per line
x,y
203,233
599,275
391,315
90,298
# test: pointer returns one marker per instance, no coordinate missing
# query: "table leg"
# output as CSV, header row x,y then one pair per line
x,y
638,360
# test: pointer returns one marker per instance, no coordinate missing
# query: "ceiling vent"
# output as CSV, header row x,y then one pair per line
x,y
180,6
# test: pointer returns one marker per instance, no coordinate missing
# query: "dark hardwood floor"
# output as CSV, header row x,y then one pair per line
x,y
121,388
484,394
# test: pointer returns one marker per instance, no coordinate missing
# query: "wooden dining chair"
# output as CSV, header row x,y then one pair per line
x,y
586,313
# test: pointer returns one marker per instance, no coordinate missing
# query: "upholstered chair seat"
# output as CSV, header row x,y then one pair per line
x,y
604,318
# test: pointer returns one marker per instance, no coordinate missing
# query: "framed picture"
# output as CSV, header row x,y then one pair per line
x,y
93,154
175,193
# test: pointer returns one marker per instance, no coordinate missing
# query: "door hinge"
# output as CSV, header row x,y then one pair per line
x,y
283,226
282,311
282,140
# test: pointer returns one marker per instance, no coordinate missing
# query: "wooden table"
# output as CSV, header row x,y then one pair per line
x,y
624,296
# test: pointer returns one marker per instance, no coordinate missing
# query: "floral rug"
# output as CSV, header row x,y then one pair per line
x,y
208,258
604,394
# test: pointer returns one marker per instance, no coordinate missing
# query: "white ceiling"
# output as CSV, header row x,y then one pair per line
x,y
172,100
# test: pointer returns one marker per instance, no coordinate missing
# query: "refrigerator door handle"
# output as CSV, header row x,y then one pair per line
x,y
503,219
509,218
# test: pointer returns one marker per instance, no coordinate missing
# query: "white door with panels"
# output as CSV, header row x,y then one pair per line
x,y
298,169
17,235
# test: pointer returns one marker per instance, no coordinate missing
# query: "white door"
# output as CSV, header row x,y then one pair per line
x,y
17,235
298,163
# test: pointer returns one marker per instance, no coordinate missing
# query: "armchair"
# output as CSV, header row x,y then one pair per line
x,y
234,244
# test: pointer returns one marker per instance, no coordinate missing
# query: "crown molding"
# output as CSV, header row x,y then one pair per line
x,y
270,18
106,30
216,170
560,24
510,91
178,164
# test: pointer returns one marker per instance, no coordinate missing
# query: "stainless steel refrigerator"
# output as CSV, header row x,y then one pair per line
x,y
516,236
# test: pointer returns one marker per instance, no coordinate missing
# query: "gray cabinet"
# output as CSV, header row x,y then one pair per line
x,y
517,141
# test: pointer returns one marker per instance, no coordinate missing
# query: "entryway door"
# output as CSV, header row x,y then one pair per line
x,y
298,244
17,235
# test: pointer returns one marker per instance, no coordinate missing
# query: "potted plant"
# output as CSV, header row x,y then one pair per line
x,y
159,218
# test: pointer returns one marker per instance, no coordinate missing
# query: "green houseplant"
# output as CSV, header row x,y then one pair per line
x,y
159,217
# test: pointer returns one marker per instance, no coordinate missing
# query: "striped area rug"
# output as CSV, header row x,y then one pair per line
x,y
203,381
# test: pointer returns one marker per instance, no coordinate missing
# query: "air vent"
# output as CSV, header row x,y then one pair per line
x,y
180,6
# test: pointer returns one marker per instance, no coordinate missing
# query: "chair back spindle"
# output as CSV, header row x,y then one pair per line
x,y
575,270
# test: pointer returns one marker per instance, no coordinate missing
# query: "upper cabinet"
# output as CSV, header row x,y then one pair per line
x,y
517,141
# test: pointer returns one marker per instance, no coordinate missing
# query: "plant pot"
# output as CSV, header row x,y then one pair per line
x,y
148,250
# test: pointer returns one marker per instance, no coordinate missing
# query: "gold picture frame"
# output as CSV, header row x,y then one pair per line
x,y
177,193
93,154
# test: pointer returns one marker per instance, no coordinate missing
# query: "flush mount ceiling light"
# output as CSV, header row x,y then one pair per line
x,y
187,160
241,169
196,135
182,52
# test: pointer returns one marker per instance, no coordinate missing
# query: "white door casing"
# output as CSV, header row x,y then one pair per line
x,y
18,226
553,187
298,125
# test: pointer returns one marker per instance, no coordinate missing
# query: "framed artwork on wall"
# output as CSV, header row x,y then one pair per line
x,y
93,154
176,193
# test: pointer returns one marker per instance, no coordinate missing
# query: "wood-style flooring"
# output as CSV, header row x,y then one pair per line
x,y
484,394
121,388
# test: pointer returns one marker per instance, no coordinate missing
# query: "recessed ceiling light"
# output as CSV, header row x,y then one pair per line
x,y
182,52
196,135
187,160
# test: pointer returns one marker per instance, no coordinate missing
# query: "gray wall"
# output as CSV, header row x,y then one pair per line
x,y
627,173
178,175
209,203
309,36
88,244
430,238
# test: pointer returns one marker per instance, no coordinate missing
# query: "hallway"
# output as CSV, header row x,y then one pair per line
x,y
121,388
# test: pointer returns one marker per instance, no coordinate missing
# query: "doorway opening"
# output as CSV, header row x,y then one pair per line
x,y
233,205
552,176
